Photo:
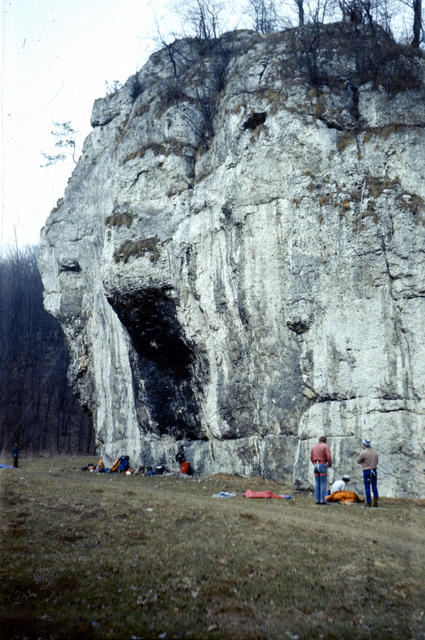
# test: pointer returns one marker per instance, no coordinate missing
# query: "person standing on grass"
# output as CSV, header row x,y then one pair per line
x,y
368,458
15,454
320,456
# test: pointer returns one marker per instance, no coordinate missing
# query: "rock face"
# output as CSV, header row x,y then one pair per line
x,y
238,263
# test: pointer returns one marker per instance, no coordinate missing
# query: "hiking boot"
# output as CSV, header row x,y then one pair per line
x,y
375,502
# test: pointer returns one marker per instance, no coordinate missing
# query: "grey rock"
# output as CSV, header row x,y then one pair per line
x,y
244,279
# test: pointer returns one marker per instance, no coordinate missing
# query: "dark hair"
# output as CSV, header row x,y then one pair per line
x,y
322,439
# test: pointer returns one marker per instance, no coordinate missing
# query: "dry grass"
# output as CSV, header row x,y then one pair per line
x,y
112,556
138,248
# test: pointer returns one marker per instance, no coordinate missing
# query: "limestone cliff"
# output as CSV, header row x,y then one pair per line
x,y
238,262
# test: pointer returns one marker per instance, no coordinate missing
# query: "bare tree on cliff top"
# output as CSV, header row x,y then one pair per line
x,y
263,15
300,9
204,21
418,21
202,18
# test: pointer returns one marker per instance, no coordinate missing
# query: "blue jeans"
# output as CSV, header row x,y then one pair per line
x,y
370,477
320,481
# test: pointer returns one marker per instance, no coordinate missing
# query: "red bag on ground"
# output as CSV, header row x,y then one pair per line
x,y
185,467
261,494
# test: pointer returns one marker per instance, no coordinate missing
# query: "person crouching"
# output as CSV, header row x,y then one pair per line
x,y
340,485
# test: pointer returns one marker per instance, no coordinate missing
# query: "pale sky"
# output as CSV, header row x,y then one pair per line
x,y
57,56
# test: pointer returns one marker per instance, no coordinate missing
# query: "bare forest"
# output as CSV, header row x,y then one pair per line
x,y
38,409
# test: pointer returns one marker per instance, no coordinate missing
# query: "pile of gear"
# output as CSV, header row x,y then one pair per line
x,y
122,465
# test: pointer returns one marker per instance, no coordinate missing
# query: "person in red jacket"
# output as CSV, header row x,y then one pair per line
x,y
320,456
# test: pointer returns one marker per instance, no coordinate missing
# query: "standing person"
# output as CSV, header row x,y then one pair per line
x,y
15,454
320,456
368,458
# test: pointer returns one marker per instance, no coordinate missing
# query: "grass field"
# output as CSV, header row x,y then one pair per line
x,y
88,555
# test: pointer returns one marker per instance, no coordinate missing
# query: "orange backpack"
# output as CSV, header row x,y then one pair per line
x,y
185,467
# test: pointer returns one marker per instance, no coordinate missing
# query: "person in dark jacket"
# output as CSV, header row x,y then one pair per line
x,y
15,454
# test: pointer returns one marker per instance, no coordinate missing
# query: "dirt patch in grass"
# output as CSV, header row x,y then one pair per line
x,y
113,556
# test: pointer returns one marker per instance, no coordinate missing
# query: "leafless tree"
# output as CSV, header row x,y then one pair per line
x,y
37,407
64,134
202,21
417,22
415,6
300,10
263,15
201,18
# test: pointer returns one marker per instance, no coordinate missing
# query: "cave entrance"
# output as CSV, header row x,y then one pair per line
x,y
164,364
255,120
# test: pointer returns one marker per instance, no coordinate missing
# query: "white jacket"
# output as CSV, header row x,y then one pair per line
x,y
339,485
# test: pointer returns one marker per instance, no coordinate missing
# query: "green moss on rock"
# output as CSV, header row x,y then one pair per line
x,y
138,249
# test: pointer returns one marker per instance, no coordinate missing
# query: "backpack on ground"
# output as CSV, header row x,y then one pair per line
x,y
124,464
186,468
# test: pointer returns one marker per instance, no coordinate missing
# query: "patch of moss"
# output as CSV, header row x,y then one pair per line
x,y
138,249
413,202
385,131
157,149
325,199
368,133
236,109
345,139
319,107
256,133
120,219
345,204
371,212
176,192
166,149
376,186
59,204
270,94
171,95
141,109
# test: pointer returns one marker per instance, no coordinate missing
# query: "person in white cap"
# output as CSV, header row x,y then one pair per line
x,y
340,485
368,458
